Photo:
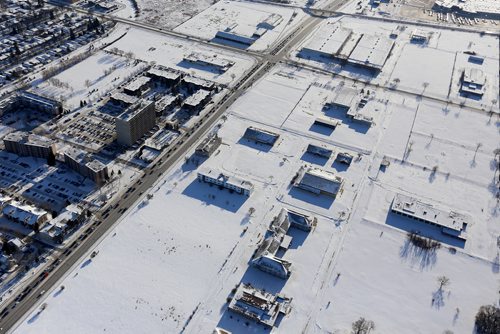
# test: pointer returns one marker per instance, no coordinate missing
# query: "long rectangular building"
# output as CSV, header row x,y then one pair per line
x,y
40,103
229,182
451,223
371,51
25,144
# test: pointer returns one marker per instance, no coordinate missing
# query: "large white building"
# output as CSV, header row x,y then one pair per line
x,y
451,223
25,144
231,183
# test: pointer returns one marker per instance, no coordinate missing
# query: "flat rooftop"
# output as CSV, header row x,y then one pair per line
x,y
164,72
329,40
371,51
76,154
472,6
417,209
320,180
227,179
197,97
127,99
26,138
133,111
137,83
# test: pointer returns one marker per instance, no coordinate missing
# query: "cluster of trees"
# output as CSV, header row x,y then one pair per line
x,y
423,242
121,53
488,320
58,83
362,326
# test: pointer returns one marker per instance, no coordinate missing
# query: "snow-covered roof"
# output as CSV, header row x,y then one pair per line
x,y
198,97
371,51
472,6
164,72
319,150
328,40
26,214
259,305
261,136
453,223
317,180
137,83
125,98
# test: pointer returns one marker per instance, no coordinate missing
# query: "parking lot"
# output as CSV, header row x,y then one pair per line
x,y
47,186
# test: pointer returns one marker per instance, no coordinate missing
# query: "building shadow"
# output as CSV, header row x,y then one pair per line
x,y
313,159
322,201
341,114
214,195
298,237
206,68
340,167
230,43
236,323
422,229
321,129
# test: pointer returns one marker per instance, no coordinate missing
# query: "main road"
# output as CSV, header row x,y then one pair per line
x,y
57,268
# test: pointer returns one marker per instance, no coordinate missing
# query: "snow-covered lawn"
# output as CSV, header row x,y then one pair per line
x,y
99,73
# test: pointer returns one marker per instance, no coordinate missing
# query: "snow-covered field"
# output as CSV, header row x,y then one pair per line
x,y
433,69
170,13
172,261
168,51
100,73
247,16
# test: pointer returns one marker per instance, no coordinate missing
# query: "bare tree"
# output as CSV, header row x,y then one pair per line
x,y
443,281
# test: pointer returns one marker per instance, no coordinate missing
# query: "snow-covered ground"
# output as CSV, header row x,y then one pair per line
x,y
170,264
100,73
170,13
247,17
169,51
433,69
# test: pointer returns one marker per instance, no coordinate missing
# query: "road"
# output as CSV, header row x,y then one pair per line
x,y
92,235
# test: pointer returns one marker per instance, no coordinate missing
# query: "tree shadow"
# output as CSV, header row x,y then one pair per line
x,y
438,298
495,265
86,263
34,317
424,258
